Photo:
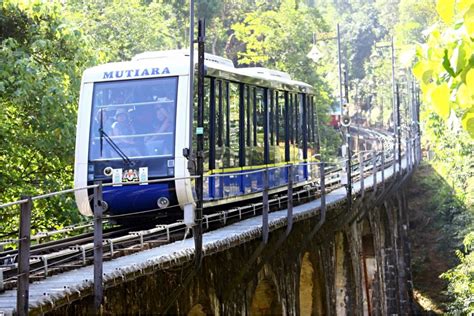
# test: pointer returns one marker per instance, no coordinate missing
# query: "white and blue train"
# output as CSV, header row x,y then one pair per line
x,y
134,122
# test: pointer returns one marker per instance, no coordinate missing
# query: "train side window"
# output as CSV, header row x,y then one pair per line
x,y
293,113
271,113
311,128
304,125
259,137
242,133
233,132
249,123
287,134
298,112
280,126
316,124
221,130
274,150
212,124
206,107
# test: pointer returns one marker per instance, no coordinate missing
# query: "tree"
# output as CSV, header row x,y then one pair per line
x,y
121,29
461,279
280,38
446,65
42,59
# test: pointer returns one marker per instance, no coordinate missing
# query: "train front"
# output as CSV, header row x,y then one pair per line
x,y
126,135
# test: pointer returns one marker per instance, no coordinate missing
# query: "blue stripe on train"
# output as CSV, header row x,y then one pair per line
x,y
222,186
135,198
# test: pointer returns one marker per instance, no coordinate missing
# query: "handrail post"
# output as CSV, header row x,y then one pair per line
x,y
374,170
349,170
290,200
361,163
322,182
24,257
408,154
265,206
98,249
394,161
383,165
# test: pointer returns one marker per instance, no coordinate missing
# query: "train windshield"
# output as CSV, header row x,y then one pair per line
x,y
133,119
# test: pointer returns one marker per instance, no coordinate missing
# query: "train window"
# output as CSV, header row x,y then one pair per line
x,y
293,113
271,119
303,141
298,111
242,133
291,131
248,115
309,129
227,115
133,118
206,122
279,126
298,127
259,137
266,127
221,130
249,123
316,124
312,128
233,125
287,133
274,157
212,123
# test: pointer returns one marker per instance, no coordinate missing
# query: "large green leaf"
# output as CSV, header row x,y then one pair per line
x,y
445,9
440,98
464,96
468,121
469,21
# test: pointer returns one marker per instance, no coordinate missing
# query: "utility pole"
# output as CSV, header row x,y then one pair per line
x,y
398,129
200,144
394,92
341,100
191,75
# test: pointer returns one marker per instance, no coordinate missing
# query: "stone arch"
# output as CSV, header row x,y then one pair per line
x,y
311,286
197,310
369,266
265,299
386,223
344,278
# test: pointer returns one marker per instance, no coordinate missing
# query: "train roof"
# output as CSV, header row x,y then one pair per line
x,y
176,63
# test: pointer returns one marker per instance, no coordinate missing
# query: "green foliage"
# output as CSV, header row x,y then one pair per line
x,y
121,29
280,38
446,67
461,279
42,58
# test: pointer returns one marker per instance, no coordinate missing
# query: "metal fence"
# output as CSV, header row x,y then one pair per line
x,y
280,181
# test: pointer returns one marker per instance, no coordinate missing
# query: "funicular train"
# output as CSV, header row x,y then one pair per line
x,y
134,122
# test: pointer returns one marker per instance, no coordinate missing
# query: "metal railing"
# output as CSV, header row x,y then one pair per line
x,y
318,175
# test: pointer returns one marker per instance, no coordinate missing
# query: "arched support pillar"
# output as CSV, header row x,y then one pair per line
x,y
369,267
345,285
265,300
312,294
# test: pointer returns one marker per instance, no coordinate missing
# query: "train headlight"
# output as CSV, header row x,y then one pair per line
x,y
108,171
105,205
163,202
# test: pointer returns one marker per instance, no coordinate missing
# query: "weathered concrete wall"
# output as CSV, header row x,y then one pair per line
x,y
357,262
